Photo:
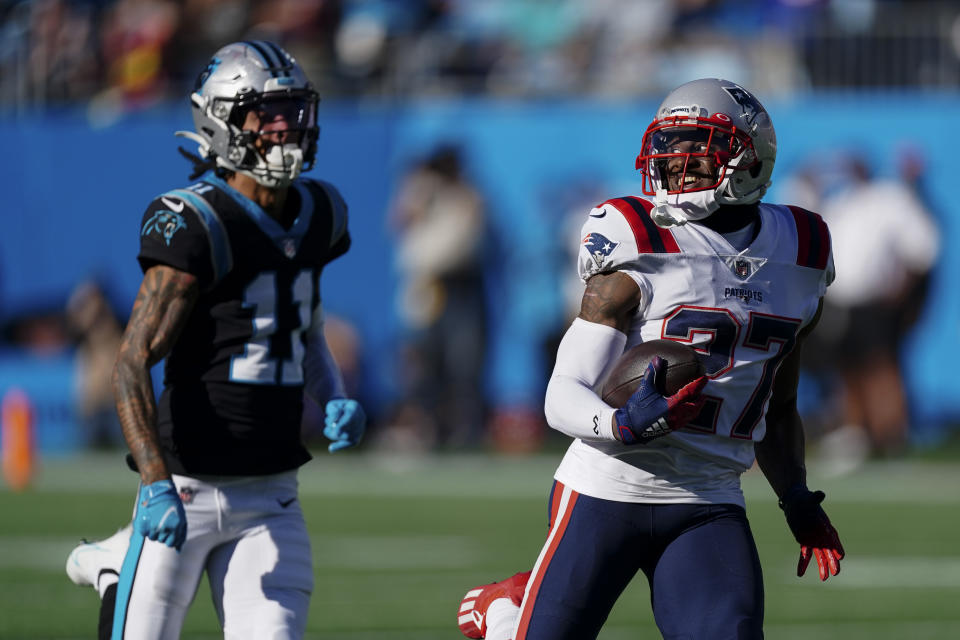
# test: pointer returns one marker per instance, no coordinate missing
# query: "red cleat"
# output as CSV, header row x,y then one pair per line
x,y
472,616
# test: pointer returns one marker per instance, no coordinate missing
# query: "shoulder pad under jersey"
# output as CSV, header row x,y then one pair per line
x,y
339,234
814,248
616,232
181,229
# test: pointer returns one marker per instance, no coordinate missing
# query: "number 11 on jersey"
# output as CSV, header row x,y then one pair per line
x,y
274,352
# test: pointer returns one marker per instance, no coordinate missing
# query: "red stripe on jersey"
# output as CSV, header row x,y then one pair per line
x,y
554,538
803,235
813,238
824,244
649,237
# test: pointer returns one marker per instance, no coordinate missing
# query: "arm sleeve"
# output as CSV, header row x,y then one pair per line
x,y
322,378
572,406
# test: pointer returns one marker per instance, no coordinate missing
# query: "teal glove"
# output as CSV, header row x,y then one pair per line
x,y
160,515
345,423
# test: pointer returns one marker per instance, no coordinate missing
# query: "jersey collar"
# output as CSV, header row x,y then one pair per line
x,y
287,241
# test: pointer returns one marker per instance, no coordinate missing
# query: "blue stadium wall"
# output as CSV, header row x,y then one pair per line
x,y
73,194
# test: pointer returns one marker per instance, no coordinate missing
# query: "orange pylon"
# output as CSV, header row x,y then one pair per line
x,y
17,439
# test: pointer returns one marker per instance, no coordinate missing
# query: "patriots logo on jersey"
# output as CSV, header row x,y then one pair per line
x,y
166,223
599,246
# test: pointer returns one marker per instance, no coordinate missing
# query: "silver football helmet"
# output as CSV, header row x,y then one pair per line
x,y
711,143
259,77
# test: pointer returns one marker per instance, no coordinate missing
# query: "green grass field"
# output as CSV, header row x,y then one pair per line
x,y
396,543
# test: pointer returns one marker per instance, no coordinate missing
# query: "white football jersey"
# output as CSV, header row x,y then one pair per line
x,y
741,310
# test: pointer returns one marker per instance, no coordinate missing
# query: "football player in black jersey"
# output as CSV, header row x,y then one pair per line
x,y
231,298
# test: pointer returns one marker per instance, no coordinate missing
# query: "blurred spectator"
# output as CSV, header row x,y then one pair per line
x,y
135,36
885,244
57,51
126,53
42,331
96,331
440,223
204,26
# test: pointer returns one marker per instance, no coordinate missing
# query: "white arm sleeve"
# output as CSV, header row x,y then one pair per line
x,y
322,380
572,405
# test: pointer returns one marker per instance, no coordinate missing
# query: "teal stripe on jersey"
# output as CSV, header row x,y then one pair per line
x,y
128,574
221,255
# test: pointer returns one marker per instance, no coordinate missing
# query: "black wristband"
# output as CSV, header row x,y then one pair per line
x,y
791,495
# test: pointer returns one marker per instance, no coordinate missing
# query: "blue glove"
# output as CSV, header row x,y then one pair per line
x,y
345,423
649,414
160,515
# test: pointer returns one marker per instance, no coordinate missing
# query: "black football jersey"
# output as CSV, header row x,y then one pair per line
x,y
233,383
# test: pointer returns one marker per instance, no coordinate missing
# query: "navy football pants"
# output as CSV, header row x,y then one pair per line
x,y
700,561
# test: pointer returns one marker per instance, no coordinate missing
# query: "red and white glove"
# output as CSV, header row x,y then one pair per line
x,y
812,529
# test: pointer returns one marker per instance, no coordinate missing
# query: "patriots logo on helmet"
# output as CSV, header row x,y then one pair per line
x,y
599,246
166,223
751,107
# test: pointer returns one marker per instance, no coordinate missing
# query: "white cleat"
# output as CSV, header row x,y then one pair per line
x,y
89,559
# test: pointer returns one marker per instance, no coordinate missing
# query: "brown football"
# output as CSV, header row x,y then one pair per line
x,y
683,366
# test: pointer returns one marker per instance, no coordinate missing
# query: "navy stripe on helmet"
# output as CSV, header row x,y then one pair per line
x,y
259,48
284,64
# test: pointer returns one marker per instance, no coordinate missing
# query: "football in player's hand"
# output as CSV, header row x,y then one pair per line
x,y
683,366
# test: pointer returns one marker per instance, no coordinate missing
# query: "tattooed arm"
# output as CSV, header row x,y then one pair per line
x,y
162,308
594,340
610,299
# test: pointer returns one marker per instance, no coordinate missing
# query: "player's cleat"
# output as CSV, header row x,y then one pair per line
x,y
472,616
89,559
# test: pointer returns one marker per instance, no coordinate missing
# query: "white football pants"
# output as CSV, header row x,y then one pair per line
x,y
250,537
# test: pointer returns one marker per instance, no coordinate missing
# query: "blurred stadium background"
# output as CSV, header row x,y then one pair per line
x,y
546,103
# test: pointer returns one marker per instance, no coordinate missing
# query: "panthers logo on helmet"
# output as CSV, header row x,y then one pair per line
x,y
166,223
202,78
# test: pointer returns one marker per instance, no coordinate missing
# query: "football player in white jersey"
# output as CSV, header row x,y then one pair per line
x,y
654,486
231,299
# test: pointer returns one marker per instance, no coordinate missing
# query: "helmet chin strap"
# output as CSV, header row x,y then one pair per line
x,y
285,159
278,167
680,208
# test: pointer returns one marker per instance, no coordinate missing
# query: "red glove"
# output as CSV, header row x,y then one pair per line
x,y
812,529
